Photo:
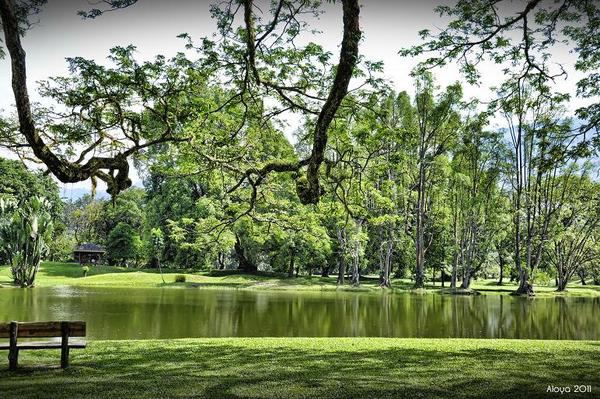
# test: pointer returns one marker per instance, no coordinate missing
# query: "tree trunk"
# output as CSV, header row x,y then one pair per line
x,y
420,212
387,264
466,282
523,276
221,260
243,262
355,272
291,267
356,255
454,271
501,261
341,257
341,271
442,276
561,277
562,284
524,287
581,274
419,239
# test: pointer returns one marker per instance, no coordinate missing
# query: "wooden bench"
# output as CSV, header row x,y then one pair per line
x,y
45,329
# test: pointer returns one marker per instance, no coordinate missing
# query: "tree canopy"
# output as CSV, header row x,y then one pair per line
x,y
418,184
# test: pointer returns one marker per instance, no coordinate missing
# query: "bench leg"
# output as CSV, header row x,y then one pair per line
x,y
13,352
13,359
64,348
64,357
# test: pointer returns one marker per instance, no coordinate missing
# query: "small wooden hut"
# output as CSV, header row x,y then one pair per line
x,y
88,253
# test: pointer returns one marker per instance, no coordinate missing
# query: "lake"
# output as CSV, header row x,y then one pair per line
x,y
126,313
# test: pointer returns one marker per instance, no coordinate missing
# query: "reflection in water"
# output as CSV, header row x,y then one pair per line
x,y
121,313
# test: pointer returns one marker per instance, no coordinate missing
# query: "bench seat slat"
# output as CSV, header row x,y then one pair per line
x,y
75,344
43,329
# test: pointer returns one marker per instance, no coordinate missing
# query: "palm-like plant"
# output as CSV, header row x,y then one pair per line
x,y
25,230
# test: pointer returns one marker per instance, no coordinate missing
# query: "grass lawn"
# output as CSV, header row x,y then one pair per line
x,y
296,367
308,368
54,273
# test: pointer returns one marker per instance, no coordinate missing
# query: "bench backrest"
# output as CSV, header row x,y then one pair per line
x,y
44,329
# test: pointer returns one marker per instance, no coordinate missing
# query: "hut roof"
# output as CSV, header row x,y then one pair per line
x,y
89,247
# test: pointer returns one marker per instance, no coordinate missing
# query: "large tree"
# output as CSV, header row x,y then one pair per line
x,y
438,125
475,198
573,243
124,244
260,60
540,142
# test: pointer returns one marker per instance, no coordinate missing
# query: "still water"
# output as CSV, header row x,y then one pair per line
x,y
125,313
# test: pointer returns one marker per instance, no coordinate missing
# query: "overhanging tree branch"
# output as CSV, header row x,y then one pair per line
x,y
65,171
114,169
309,190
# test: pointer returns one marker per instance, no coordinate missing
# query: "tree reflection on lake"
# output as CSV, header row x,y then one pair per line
x,y
124,313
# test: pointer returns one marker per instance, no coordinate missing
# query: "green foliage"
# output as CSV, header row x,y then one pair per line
x,y
180,278
19,183
169,198
127,208
574,243
518,38
60,248
123,244
25,231
91,220
83,218
542,277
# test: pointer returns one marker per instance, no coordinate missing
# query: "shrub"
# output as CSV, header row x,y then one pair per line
x,y
542,277
180,278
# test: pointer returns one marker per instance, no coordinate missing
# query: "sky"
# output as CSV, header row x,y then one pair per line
x,y
153,25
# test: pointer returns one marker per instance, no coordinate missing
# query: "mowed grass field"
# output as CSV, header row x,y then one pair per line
x,y
309,368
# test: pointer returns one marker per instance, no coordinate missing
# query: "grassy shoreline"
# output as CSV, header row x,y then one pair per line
x,y
308,367
60,274
295,367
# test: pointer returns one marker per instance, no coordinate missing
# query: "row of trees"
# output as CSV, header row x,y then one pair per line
x,y
409,184
420,188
